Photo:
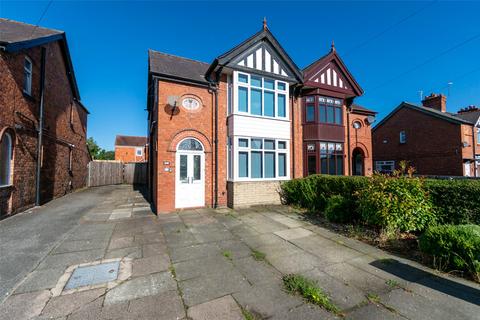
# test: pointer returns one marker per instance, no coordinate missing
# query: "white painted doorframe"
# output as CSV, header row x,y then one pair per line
x,y
189,185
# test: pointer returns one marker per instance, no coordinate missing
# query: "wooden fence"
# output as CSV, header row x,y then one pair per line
x,y
103,173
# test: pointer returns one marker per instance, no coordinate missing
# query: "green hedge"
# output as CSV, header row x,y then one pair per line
x,y
454,247
314,191
455,201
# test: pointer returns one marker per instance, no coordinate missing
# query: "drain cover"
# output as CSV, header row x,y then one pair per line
x,y
91,275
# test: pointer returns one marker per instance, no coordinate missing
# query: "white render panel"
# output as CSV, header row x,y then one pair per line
x,y
241,63
284,73
248,126
268,61
259,59
329,77
322,78
275,67
334,78
250,61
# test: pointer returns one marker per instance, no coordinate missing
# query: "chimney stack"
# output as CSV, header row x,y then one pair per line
x,y
435,101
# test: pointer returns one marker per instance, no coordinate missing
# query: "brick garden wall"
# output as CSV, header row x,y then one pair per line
x,y
65,123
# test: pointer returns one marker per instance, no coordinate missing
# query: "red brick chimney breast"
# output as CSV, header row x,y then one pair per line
x,y
435,101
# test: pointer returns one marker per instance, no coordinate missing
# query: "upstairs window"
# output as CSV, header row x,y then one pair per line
x,y
27,76
403,137
330,110
139,152
478,136
261,96
6,145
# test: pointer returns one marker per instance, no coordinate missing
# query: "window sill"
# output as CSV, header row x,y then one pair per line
x,y
29,96
7,186
285,119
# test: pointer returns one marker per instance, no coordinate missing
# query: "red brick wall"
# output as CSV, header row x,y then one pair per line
x,y
198,124
361,139
128,154
296,152
433,145
65,121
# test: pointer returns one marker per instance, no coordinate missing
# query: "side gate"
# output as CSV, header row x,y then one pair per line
x,y
103,173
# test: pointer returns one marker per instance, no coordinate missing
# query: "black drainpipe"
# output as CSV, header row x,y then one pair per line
x,y
214,87
40,128
474,152
293,134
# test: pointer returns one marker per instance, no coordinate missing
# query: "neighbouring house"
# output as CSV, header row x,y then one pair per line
x,y
432,140
336,132
43,123
229,132
131,149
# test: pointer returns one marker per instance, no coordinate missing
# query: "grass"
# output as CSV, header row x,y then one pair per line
x,y
373,297
247,315
392,283
308,289
257,255
172,271
227,254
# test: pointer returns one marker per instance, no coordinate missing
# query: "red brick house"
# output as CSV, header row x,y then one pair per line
x,y
130,148
431,139
229,132
43,124
336,132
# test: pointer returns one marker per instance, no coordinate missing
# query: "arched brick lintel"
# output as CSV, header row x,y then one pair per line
x,y
186,133
362,147
11,132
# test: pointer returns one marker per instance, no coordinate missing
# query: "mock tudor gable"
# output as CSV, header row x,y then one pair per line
x,y
330,73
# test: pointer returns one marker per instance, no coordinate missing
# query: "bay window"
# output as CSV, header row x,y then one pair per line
x,y
329,159
330,110
262,158
261,96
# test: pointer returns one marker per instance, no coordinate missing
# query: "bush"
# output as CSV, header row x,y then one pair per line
x,y
454,247
455,201
396,204
314,191
338,209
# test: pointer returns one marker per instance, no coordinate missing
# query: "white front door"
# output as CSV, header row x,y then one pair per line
x,y
467,169
190,179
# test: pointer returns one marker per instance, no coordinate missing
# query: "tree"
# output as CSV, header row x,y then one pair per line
x,y
98,153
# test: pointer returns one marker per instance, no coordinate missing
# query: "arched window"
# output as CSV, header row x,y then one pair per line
x,y
190,144
5,159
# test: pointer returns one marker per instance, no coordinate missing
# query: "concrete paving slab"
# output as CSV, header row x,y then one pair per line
x,y
39,280
263,240
195,268
235,248
280,249
374,312
81,245
199,251
295,233
64,305
131,252
141,287
304,312
243,231
90,311
295,263
267,300
211,286
16,306
257,272
64,260
342,295
166,305
358,278
123,242
153,249
224,308
150,265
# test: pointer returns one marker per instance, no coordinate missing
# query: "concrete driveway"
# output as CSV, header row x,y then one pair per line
x,y
114,259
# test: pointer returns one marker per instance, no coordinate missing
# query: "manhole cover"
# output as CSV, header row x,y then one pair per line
x,y
91,275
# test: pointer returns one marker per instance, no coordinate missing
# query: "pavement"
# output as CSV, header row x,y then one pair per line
x,y
107,256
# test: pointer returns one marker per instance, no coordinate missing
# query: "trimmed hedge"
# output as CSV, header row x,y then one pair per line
x,y
453,247
313,192
455,201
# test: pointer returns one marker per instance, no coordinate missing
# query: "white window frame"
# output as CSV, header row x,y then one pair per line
x,y
402,137
236,149
384,163
137,150
26,71
248,86
9,157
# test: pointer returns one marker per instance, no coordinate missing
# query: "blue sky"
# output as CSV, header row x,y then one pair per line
x,y
394,49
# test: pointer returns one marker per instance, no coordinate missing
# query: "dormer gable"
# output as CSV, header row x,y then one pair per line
x,y
261,54
330,73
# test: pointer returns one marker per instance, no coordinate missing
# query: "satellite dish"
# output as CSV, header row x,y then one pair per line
x,y
172,100
370,119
